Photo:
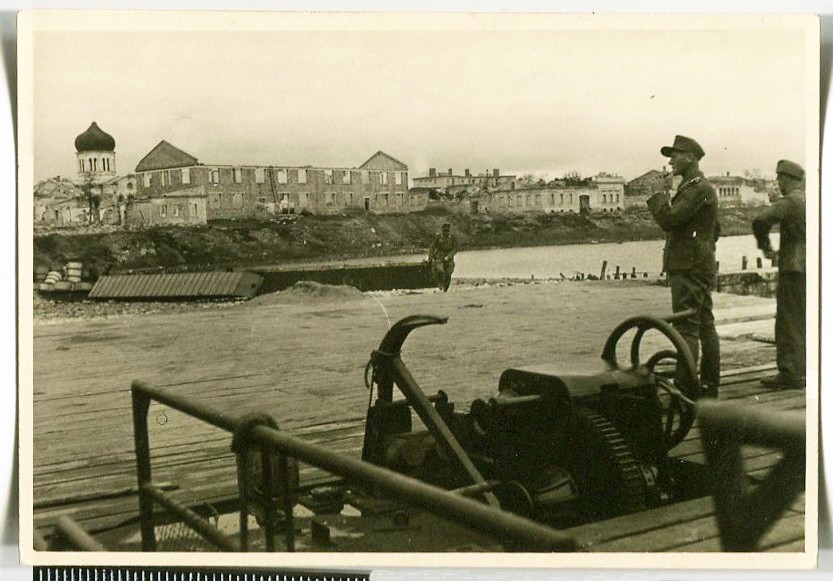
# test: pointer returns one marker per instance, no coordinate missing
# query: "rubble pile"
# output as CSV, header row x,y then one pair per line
x,y
310,291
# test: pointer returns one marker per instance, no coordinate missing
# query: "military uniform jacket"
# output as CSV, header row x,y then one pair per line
x,y
443,247
789,211
691,224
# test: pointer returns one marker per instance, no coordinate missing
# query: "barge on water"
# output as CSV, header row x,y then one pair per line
x,y
238,284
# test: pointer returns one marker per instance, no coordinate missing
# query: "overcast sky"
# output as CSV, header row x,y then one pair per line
x,y
541,101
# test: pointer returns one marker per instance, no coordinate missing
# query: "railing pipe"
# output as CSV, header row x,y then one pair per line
x,y
38,542
192,519
141,438
744,514
76,537
192,408
785,430
502,525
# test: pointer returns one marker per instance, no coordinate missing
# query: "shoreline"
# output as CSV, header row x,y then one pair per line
x,y
321,239
52,312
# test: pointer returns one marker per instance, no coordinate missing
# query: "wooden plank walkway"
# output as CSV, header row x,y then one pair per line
x,y
302,362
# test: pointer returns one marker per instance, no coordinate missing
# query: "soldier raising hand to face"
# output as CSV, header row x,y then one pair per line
x,y
690,221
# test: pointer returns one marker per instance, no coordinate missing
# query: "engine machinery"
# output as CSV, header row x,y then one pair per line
x,y
556,444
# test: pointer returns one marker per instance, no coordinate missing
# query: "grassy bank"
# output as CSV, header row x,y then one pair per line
x,y
305,238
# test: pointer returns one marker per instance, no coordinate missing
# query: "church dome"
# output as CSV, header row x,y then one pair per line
x,y
94,139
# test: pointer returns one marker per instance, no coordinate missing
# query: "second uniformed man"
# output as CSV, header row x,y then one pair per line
x,y
790,333
690,221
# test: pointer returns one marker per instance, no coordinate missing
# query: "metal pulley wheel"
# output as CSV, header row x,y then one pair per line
x,y
676,398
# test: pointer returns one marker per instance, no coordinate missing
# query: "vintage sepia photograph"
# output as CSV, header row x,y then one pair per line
x,y
311,289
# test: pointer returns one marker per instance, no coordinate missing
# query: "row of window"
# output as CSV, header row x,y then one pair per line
x,y
218,200
177,210
92,164
330,176
724,191
281,176
185,177
443,181
535,199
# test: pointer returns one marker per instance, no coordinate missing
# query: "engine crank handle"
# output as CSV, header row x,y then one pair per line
x,y
676,393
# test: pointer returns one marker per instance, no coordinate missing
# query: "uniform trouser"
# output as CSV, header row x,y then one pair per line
x,y
693,291
442,270
790,331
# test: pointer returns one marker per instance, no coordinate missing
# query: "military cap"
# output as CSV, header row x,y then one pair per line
x,y
446,224
685,145
790,168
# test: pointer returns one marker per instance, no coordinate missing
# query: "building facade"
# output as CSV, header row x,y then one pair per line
x,y
59,202
182,207
727,189
379,185
638,190
738,191
603,193
541,199
610,193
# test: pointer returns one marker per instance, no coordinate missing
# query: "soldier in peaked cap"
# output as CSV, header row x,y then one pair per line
x,y
790,335
690,221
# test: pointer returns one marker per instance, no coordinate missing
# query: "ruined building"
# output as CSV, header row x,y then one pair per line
x,y
379,185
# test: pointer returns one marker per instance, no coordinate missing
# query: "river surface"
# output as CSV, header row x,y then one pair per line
x,y
569,259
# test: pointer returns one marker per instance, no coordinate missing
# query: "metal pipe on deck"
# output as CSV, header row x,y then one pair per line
x,y
192,519
785,430
38,542
745,514
77,538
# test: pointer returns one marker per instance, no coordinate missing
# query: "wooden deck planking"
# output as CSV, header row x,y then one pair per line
x,y
214,464
305,368
788,531
701,534
683,527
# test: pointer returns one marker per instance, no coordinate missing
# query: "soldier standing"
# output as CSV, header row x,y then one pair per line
x,y
790,336
441,256
690,220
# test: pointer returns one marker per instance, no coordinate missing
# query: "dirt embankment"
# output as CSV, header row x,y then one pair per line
x,y
305,238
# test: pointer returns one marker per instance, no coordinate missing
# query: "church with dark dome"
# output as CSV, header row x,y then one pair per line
x,y
96,153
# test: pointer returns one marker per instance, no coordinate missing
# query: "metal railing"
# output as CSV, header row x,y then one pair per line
x,y
744,515
67,536
514,532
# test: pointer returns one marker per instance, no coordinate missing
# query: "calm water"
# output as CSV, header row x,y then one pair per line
x,y
551,261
